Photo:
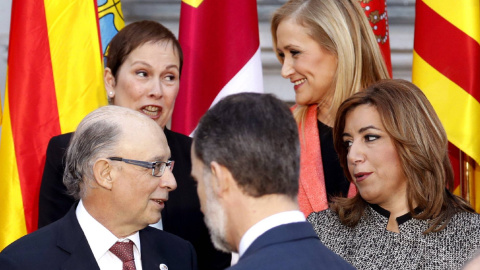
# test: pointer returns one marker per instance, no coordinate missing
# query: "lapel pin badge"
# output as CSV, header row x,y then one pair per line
x,y
163,267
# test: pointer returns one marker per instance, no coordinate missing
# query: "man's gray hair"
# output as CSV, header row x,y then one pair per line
x,y
96,136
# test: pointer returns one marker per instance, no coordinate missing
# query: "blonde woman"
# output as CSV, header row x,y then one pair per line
x,y
328,51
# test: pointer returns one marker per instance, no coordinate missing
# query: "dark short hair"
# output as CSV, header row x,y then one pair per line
x,y
255,137
135,35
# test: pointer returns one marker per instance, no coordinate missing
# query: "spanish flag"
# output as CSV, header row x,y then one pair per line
x,y
54,78
221,46
446,66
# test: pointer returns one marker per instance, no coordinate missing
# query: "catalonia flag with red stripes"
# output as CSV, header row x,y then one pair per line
x,y
446,66
54,78
221,46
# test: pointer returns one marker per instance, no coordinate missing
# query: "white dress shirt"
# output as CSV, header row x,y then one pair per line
x,y
158,225
266,224
100,240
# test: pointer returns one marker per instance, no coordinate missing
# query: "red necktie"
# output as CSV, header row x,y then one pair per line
x,y
124,251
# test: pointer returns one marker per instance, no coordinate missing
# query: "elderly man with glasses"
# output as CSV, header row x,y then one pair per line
x,y
118,166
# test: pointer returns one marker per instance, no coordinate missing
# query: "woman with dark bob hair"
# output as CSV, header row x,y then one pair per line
x,y
393,147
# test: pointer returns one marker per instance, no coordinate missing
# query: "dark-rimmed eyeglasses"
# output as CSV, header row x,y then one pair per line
x,y
158,167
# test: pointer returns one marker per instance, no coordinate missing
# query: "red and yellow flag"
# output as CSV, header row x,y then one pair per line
x,y
446,66
221,46
54,78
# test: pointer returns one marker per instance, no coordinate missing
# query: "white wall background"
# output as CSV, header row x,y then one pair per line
x,y
5,10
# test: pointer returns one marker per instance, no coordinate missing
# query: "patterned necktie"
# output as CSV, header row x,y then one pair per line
x,y
124,251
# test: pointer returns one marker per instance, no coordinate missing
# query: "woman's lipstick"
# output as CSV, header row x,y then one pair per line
x,y
359,177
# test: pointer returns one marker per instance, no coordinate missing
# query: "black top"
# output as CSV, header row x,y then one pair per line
x,y
181,215
335,181
401,219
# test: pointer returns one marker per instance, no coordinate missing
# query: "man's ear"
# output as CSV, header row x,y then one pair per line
x,y
222,179
109,80
102,172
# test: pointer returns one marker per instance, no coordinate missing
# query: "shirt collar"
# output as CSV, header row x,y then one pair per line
x,y
99,238
266,224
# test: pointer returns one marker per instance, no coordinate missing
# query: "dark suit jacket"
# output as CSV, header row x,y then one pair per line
x,y
181,215
63,245
287,247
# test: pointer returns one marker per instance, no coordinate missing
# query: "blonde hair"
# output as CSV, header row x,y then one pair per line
x,y
341,27
421,143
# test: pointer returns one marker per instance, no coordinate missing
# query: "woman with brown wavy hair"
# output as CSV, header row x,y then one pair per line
x,y
393,147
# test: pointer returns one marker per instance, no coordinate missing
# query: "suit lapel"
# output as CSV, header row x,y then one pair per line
x,y
72,240
81,259
151,257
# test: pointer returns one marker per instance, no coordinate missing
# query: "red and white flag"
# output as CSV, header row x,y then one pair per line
x,y
376,12
221,47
